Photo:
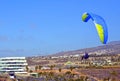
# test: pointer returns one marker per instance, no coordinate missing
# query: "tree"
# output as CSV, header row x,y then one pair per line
x,y
51,67
30,71
40,67
27,69
68,72
51,74
36,68
71,68
60,69
40,73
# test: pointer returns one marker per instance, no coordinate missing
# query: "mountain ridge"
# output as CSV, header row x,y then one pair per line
x,y
110,48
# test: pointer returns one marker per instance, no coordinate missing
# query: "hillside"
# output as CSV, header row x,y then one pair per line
x,y
110,48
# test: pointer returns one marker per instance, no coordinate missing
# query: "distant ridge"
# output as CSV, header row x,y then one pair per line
x,y
114,42
110,48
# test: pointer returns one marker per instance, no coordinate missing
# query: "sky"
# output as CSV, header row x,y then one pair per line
x,y
43,27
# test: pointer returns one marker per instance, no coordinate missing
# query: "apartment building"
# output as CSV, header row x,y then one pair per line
x,y
13,64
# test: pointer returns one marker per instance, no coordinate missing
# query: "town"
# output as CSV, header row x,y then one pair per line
x,y
68,68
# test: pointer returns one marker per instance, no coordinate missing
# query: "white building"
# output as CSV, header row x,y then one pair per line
x,y
13,64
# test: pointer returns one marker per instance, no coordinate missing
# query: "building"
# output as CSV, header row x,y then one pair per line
x,y
13,64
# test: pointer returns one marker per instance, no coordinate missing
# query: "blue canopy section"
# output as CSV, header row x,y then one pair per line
x,y
99,24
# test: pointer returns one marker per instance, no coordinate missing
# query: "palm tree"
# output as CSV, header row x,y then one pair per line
x,y
27,69
40,73
71,68
30,71
51,67
36,68
51,74
60,69
68,72
40,67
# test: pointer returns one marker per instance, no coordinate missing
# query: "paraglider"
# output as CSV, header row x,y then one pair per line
x,y
99,24
85,56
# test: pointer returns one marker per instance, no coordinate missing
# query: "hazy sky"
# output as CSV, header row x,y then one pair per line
x,y
41,27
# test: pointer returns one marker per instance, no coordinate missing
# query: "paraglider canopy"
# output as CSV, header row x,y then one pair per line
x,y
99,24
